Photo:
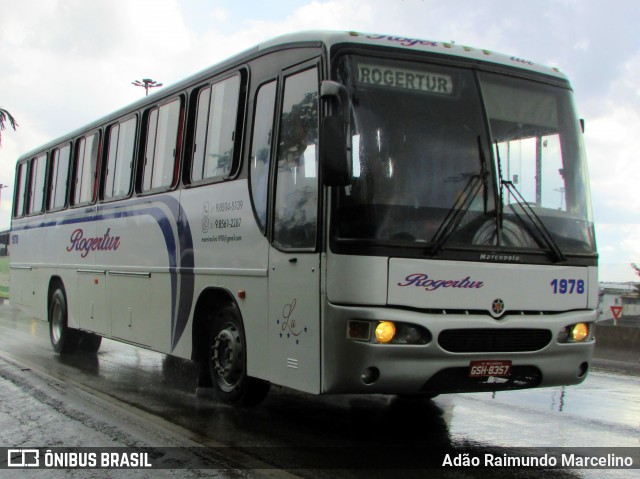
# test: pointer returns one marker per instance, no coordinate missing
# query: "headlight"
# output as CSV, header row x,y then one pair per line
x,y
385,331
580,332
575,333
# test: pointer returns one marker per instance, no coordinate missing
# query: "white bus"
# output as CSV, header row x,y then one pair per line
x,y
330,212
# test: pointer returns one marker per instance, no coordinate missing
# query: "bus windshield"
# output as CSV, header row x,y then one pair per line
x,y
450,158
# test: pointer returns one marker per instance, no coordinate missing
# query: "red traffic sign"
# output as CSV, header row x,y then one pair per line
x,y
617,311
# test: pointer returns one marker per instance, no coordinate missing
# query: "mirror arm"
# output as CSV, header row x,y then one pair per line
x,y
332,89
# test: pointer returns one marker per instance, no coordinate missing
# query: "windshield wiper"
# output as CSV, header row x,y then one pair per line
x,y
529,212
484,173
461,205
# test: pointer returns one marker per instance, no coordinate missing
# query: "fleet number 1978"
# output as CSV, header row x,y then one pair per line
x,y
567,286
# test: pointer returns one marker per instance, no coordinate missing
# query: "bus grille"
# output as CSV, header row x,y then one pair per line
x,y
493,340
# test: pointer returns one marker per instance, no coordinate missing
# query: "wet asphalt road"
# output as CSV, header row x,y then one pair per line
x,y
310,436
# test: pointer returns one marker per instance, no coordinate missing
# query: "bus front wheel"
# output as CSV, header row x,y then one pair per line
x,y
227,361
63,339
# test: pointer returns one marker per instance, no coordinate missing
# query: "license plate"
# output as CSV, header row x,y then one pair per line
x,y
478,369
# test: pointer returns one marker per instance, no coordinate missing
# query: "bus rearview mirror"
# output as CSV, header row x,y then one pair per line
x,y
335,140
336,157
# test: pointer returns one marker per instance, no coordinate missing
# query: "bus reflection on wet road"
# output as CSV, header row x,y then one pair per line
x,y
294,429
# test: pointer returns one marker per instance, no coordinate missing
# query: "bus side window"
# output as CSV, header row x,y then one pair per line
x,y
59,177
296,207
36,184
261,150
162,146
87,150
122,138
21,187
214,155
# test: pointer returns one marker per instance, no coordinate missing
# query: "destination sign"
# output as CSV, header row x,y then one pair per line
x,y
406,79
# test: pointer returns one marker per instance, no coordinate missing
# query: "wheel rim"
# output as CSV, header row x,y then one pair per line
x,y
57,322
227,357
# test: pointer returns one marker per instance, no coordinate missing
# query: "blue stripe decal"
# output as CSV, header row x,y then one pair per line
x,y
180,253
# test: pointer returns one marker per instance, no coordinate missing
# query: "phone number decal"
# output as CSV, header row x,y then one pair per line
x,y
227,223
225,206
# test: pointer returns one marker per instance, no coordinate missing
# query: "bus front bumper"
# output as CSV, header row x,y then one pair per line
x,y
358,366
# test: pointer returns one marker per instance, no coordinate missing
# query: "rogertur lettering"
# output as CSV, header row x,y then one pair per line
x,y
77,242
421,280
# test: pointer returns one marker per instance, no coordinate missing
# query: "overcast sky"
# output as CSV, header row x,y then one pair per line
x,y
64,63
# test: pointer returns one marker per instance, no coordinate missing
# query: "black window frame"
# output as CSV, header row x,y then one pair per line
x,y
53,177
77,178
241,113
263,225
311,64
20,196
30,190
178,154
106,148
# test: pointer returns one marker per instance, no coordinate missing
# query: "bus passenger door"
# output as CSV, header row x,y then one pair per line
x,y
294,261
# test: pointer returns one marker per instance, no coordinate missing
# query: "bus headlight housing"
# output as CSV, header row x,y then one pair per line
x,y
575,333
387,332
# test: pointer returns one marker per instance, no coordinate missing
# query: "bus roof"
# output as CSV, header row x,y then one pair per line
x,y
331,38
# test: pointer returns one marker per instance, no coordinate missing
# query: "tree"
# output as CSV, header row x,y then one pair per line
x,y
5,117
636,268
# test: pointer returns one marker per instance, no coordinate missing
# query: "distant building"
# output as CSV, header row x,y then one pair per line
x,y
618,294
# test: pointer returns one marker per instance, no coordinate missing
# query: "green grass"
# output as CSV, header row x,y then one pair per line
x,y
4,277
4,265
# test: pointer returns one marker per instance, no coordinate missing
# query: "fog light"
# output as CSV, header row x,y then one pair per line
x,y
385,331
580,332
583,369
370,375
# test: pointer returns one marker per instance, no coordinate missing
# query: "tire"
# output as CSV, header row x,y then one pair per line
x,y
63,339
227,361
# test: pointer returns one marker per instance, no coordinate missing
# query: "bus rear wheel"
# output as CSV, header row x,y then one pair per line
x,y
63,339
227,361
